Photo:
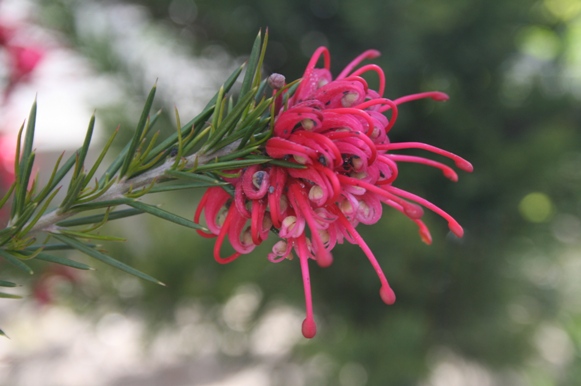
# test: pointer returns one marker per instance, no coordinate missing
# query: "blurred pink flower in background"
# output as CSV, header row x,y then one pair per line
x,y
22,58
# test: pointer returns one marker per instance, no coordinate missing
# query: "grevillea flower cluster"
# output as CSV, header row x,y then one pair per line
x,y
335,132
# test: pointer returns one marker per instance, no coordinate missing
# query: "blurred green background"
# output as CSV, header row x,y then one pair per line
x,y
498,307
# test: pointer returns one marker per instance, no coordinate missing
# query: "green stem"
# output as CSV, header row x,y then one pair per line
x,y
47,223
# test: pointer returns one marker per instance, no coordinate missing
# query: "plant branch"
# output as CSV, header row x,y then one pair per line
x,y
47,223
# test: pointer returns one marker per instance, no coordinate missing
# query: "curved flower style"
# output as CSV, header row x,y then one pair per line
x,y
335,132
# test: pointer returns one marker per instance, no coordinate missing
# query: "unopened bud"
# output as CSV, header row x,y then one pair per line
x,y
276,81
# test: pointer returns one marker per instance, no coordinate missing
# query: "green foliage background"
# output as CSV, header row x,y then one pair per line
x,y
513,112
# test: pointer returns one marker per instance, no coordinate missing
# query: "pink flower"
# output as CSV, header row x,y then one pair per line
x,y
22,59
335,131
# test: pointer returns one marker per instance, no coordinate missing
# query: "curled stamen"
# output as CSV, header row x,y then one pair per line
x,y
448,172
255,182
324,51
280,251
389,105
375,68
452,223
435,95
198,213
300,204
356,112
460,162
369,54
324,142
280,148
411,210
386,293
357,135
391,166
257,221
309,328
220,240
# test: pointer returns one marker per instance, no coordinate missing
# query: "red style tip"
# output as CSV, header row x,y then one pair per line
x,y
450,174
309,328
439,96
462,164
324,260
413,211
456,229
426,236
387,295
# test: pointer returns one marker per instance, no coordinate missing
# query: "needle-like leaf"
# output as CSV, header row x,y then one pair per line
x,y
4,295
154,210
137,136
97,218
4,283
104,258
15,261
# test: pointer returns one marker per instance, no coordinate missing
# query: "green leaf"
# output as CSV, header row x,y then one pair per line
x,y
154,210
137,136
63,261
198,177
22,185
114,166
51,247
73,193
104,258
196,139
192,185
26,160
237,154
237,164
200,118
230,121
7,195
4,283
95,219
261,90
90,236
40,213
25,216
4,295
252,65
15,261
97,163
169,142
99,205
227,86
287,164
94,193
82,152
219,110
57,176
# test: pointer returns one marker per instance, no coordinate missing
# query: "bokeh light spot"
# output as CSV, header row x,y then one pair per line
x,y
539,42
536,207
563,9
